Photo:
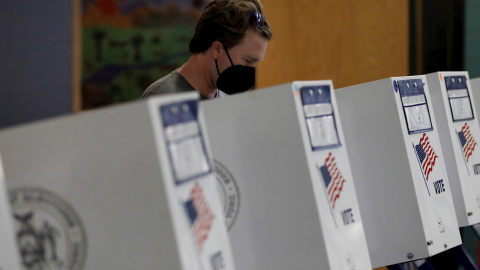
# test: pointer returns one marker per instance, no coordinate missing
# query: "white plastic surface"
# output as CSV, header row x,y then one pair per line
x,y
404,217
286,218
459,133
102,183
9,258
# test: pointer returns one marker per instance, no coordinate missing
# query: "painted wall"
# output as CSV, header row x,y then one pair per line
x,y
350,42
472,38
35,65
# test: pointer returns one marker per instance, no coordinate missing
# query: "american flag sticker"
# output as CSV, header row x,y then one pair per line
x,y
426,155
466,141
333,179
200,216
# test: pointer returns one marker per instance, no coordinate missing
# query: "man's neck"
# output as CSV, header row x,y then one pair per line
x,y
195,72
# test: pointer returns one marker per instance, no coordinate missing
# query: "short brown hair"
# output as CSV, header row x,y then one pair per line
x,y
226,21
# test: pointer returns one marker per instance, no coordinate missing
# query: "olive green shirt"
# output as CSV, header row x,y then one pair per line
x,y
173,82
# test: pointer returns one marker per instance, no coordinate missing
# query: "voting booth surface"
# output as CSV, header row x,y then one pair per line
x,y
283,170
397,162
459,131
128,187
9,258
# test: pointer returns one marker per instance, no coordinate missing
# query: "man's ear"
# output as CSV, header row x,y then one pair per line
x,y
215,49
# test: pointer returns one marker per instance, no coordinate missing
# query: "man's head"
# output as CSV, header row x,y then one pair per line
x,y
227,21
235,35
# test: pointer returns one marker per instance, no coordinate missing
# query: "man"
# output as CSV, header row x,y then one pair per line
x,y
230,39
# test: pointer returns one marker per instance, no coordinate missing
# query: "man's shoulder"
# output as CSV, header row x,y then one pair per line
x,y
173,82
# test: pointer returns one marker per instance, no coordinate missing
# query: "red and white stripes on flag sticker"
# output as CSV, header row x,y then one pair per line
x,y
205,217
426,155
333,178
467,141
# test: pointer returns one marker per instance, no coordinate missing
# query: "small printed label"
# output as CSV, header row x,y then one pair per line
x,y
217,261
347,216
476,169
350,262
439,186
441,225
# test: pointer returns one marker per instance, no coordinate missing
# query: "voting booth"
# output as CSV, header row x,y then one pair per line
x,y
9,258
284,173
459,131
400,177
127,187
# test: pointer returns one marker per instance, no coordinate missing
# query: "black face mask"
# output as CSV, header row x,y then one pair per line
x,y
236,78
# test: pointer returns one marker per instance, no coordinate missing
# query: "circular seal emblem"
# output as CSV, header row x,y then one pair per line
x,y
229,193
49,232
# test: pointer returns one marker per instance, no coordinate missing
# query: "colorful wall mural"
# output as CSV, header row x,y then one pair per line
x,y
129,44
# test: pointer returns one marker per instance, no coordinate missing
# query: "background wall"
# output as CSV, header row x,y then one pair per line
x,y
35,65
350,42
472,38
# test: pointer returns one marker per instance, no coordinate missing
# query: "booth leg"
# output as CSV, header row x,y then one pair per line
x,y
423,265
419,264
464,258
476,230
396,267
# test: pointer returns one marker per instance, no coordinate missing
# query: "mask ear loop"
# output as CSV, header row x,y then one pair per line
x,y
216,64
231,62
